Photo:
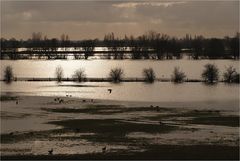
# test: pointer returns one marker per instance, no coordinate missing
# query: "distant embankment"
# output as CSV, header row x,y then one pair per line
x,y
99,79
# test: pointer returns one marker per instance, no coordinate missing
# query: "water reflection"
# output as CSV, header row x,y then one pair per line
x,y
132,91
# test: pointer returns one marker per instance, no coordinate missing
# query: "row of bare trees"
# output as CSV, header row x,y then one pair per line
x,y
210,74
151,45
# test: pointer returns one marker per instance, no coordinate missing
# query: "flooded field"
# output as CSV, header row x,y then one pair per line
x,y
92,128
101,68
50,120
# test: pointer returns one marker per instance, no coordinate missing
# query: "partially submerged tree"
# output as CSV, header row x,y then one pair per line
x,y
236,78
59,73
149,75
210,73
79,75
116,75
8,74
178,76
229,75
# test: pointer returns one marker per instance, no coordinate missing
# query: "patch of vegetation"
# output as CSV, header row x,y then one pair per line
x,y
187,114
111,126
8,98
106,109
13,115
206,117
232,121
14,137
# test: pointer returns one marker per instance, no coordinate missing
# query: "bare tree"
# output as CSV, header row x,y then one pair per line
x,y
59,73
149,75
229,75
8,74
210,73
116,75
79,75
178,76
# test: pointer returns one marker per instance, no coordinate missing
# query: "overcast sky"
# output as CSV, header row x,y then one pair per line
x,y
93,19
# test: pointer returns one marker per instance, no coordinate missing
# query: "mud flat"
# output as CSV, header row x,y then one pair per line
x,y
74,128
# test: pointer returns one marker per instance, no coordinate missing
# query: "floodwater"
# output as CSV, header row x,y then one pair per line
x,y
100,68
220,96
29,112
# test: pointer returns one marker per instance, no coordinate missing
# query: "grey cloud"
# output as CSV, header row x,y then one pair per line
x,y
92,19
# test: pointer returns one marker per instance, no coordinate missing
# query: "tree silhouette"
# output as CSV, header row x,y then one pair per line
x,y
149,75
148,45
59,74
178,76
8,74
234,46
88,46
215,48
210,73
79,75
116,75
230,74
198,47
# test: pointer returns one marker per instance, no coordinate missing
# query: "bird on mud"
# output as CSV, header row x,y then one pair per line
x,y
110,90
104,149
50,152
161,123
61,101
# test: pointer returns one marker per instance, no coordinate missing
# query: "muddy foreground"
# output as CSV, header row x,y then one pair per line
x,y
72,128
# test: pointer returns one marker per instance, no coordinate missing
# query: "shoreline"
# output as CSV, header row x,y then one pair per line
x,y
109,80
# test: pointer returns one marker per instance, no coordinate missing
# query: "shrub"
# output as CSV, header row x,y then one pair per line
x,y
178,76
79,75
210,73
116,75
8,74
229,75
236,78
149,75
59,73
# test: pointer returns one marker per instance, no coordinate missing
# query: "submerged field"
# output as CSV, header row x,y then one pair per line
x,y
82,128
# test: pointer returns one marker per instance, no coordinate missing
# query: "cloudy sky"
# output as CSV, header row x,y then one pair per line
x,y
93,19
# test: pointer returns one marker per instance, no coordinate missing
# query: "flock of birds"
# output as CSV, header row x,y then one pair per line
x,y
104,149
50,152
